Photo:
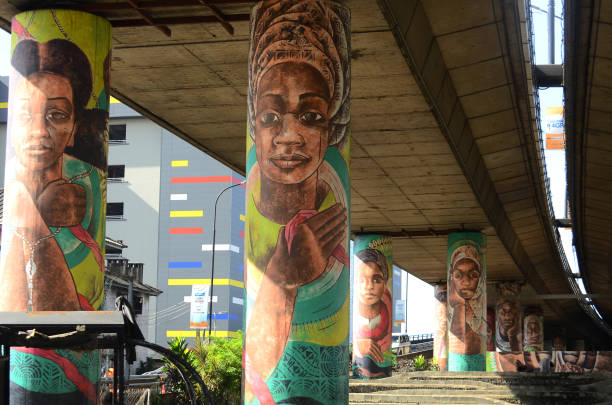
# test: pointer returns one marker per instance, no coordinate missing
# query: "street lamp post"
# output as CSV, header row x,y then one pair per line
x,y
212,270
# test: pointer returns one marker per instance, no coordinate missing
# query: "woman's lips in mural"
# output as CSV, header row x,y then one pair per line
x,y
289,160
37,149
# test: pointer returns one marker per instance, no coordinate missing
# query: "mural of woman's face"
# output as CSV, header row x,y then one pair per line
x,y
291,122
507,315
465,278
371,283
43,122
533,331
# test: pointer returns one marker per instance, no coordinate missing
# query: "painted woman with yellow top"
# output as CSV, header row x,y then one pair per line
x,y
55,196
297,271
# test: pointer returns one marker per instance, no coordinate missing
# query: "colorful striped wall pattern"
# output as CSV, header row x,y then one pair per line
x,y
204,179
185,231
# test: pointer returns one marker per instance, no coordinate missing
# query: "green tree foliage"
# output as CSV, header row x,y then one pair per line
x,y
175,386
219,362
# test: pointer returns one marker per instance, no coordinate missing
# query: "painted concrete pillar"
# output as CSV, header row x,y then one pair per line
x,y
490,329
533,329
297,204
508,319
467,306
55,192
373,308
440,347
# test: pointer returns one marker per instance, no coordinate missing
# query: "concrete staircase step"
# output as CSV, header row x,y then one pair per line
x,y
482,388
403,398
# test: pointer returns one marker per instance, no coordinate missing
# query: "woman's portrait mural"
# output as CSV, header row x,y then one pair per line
x,y
467,309
508,318
533,329
373,283
508,331
297,218
440,347
55,191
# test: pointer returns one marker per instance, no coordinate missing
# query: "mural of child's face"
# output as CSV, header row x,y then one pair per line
x,y
291,122
465,277
371,284
43,122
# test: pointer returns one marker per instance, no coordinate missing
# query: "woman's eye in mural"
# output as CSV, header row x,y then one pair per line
x,y
474,275
458,275
269,119
57,116
312,118
378,280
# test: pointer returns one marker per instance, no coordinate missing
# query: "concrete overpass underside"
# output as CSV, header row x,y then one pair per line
x,y
588,74
444,132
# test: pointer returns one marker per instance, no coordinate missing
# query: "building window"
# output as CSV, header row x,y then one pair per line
x,y
116,133
116,173
114,211
138,305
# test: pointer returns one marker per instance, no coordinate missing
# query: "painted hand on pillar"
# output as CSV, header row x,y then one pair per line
x,y
62,204
370,348
312,245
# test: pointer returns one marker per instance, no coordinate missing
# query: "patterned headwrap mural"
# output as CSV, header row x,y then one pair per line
x,y
313,32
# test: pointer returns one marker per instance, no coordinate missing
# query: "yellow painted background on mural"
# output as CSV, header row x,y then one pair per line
x,y
90,33
180,163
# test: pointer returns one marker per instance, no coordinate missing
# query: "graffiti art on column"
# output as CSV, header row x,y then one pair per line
x,y
467,324
507,326
55,195
533,329
490,339
440,350
372,356
490,329
297,266
556,361
508,323
523,362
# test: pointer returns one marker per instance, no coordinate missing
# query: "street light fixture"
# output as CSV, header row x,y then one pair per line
x,y
212,270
